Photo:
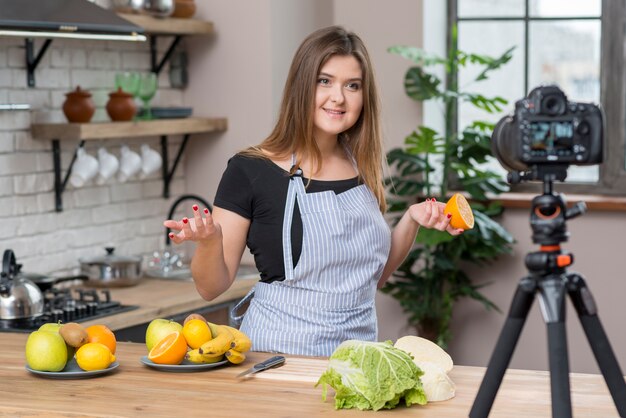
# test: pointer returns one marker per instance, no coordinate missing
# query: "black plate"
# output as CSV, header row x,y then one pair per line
x,y
72,371
185,367
168,112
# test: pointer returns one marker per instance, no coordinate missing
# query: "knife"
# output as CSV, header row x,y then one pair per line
x,y
275,361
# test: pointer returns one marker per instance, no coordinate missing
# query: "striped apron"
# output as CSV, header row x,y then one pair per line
x,y
328,297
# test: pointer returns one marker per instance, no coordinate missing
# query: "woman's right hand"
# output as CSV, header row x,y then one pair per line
x,y
200,229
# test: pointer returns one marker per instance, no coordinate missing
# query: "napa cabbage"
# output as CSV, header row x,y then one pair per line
x,y
372,375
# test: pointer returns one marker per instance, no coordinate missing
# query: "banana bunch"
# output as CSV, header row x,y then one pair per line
x,y
225,341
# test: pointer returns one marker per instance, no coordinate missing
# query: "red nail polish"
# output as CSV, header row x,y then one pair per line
x,y
427,199
195,207
206,210
449,215
171,235
185,220
434,200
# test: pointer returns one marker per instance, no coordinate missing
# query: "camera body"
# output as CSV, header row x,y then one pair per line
x,y
546,130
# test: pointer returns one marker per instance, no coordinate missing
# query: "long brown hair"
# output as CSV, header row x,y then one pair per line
x,y
293,131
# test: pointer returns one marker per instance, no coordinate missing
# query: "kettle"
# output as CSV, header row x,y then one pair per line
x,y
20,298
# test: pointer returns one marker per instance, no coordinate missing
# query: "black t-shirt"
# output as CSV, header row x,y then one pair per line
x,y
256,189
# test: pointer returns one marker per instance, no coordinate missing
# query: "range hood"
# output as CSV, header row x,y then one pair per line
x,y
64,19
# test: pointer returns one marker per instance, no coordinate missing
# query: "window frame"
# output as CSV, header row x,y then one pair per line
x,y
612,172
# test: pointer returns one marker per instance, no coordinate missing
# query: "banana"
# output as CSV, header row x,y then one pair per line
x,y
235,356
219,344
242,342
214,329
194,356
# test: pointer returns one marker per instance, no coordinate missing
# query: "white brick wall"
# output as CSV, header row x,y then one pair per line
x,y
127,215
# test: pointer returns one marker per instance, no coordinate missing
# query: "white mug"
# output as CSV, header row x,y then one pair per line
x,y
151,160
130,164
109,165
84,169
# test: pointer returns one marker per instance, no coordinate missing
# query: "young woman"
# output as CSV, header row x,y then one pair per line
x,y
308,202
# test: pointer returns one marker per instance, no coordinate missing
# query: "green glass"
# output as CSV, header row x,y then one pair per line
x,y
128,82
148,83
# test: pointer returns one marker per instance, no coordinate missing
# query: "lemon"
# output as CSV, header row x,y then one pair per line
x,y
196,332
94,356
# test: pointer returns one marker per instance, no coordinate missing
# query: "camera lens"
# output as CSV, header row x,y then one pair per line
x,y
504,146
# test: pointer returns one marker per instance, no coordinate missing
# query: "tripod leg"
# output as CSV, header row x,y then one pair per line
x,y
587,312
502,353
552,291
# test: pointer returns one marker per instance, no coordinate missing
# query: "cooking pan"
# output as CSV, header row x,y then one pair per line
x,y
46,282
111,270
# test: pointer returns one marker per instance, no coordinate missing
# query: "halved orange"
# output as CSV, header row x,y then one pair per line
x,y
462,216
169,350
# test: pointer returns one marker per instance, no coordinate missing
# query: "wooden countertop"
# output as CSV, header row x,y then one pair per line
x,y
134,390
158,298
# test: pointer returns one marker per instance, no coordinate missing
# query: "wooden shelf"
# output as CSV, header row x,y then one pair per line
x,y
82,132
169,26
108,130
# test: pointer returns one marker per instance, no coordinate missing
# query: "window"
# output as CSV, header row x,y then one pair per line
x,y
576,44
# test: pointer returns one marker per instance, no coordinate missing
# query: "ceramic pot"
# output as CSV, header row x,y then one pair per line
x,y
78,106
121,106
184,9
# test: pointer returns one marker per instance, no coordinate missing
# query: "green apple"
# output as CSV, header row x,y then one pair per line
x,y
159,329
51,326
55,327
46,351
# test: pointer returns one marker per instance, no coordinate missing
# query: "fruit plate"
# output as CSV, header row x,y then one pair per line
x,y
185,367
72,371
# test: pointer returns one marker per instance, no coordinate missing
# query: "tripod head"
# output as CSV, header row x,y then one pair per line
x,y
549,214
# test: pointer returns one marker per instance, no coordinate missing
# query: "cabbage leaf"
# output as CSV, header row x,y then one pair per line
x,y
372,375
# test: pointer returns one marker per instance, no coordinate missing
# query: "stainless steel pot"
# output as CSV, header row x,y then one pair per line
x,y
111,270
159,8
127,6
19,297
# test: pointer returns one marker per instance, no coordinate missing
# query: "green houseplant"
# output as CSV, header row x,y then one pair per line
x,y
431,164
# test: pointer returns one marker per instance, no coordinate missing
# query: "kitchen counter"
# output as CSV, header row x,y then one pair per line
x,y
134,390
159,298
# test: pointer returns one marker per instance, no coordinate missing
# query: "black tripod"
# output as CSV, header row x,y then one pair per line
x,y
549,278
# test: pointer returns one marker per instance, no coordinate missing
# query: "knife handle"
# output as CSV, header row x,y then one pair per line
x,y
270,362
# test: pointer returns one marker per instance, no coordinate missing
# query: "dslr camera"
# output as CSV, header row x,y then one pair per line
x,y
545,134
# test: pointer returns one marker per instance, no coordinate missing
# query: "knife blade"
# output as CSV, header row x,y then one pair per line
x,y
275,361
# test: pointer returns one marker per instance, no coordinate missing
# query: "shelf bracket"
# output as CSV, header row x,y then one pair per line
x,y
167,174
59,185
32,61
157,67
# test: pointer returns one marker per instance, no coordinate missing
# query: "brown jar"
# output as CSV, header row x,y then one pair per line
x,y
121,106
78,106
184,9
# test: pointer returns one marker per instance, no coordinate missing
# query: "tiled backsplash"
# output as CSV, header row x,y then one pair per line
x,y
125,215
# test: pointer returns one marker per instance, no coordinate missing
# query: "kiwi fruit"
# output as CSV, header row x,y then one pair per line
x,y
74,334
194,316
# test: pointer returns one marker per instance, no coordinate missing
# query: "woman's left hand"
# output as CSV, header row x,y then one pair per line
x,y
429,214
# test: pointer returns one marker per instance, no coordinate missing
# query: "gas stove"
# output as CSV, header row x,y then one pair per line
x,y
68,305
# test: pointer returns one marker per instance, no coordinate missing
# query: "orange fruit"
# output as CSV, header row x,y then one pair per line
x,y
103,335
196,332
169,350
462,216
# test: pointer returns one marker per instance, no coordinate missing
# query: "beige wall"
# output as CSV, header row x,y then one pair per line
x,y
594,241
240,74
